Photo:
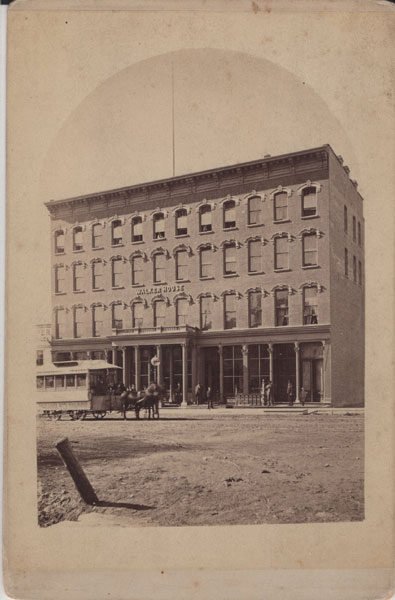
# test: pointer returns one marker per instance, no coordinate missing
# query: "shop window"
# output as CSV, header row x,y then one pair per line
x,y
254,210
181,265
255,256
181,311
281,206
97,235
309,202
137,270
60,323
345,262
281,307
159,268
281,253
116,233
59,279
159,313
345,219
230,311
205,219
258,367
233,370
230,259
181,222
117,316
255,309
309,242
206,267
78,324
159,226
59,242
229,214
97,275
78,277
117,272
206,313
77,239
97,318
310,306
137,229
138,314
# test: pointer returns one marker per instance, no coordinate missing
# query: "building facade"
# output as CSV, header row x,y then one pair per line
x,y
228,277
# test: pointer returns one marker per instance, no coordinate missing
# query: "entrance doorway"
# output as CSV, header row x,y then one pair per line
x,y
284,370
312,383
211,370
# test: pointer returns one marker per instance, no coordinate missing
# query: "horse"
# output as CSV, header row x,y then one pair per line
x,y
150,401
129,399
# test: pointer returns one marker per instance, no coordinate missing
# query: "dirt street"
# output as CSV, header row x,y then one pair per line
x,y
195,467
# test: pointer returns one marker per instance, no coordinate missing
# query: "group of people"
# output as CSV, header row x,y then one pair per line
x,y
267,394
204,395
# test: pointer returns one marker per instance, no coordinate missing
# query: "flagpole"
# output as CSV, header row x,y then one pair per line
x,y
172,117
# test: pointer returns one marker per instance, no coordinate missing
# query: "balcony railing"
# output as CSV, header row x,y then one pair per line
x,y
153,330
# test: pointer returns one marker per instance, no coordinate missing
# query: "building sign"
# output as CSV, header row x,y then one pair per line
x,y
160,290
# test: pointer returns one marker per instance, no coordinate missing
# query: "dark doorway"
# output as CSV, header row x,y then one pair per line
x,y
211,369
312,379
284,369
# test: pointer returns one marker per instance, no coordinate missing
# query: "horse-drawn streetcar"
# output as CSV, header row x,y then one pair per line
x,y
77,389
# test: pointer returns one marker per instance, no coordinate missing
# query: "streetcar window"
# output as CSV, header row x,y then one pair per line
x,y
59,381
40,382
49,382
81,380
70,381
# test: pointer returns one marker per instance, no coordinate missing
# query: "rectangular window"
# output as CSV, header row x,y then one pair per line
x,y
258,367
255,309
359,234
159,268
59,280
39,358
60,322
78,322
182,311
205,218
49,382
205,262
281,253
181,222
354,268
309,202
97,275
281,307
137,270
230,260
117,316
310,249
354,229
229,215
345,220
137,314
345,262
230,311
359,272
254,210
117,272
137,230
255,256
97,321
159,227
281,206
159,313
205,313
40,382
97,236
59,242
70,381
182,265
59,382
78,278
77,239
116,233
310,306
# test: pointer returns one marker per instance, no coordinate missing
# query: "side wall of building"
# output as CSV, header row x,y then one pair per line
x,y
347,292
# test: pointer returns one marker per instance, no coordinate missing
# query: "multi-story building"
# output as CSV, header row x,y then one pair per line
x,y
228,277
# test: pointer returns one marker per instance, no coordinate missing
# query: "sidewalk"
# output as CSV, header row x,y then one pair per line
x,y
274,410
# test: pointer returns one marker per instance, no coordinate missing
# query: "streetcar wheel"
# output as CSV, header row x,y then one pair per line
x,y
56,415
100,414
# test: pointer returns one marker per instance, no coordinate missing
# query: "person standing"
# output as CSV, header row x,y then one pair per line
x,y
269,393
198,393
209,396
290,393
178,393
263,395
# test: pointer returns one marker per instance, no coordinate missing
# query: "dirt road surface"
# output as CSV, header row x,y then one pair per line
x,y
199,467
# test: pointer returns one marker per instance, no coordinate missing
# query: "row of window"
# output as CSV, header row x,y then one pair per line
x,y
356,275
229,218
182,263
354,227
182,313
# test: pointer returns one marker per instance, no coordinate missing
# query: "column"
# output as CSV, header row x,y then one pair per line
x,y
184,375
159,368
270,348
114,355
137,367
221,373
326,371
108,355
124,363
245,368
194,369
297,379
171,368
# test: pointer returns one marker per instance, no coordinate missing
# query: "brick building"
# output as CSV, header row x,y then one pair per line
x,y
228,276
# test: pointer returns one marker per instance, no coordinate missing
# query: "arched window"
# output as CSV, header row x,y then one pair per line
x,y
281,206
77,239
137,229
205,220
181,311
181,265
97,320
229,214
230,319
230,259
206,313
59,241
309,241
309,201
254,210
310,305
159,226
97,235
181,222
159,313
137,315
116,233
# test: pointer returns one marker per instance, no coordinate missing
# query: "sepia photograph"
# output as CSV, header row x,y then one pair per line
x,y
207,371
